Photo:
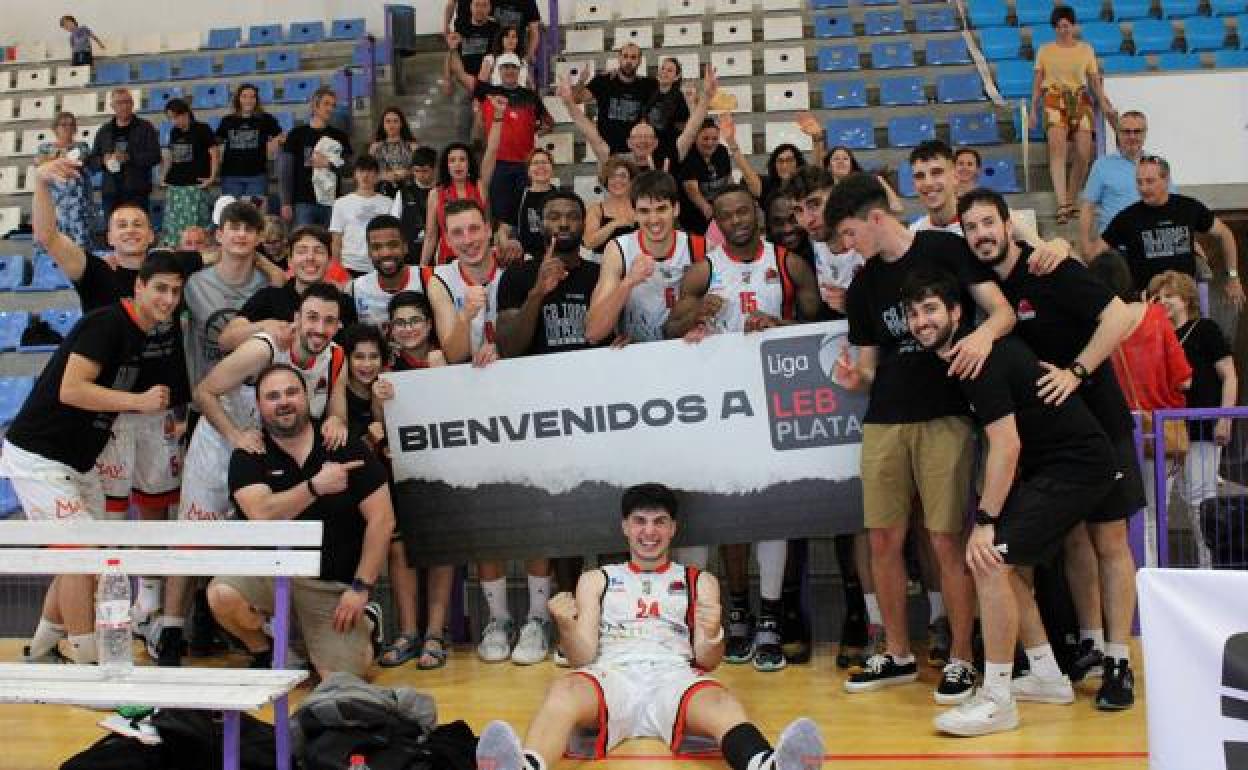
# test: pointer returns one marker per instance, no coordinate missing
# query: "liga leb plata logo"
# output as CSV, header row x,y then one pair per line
x,y
807,406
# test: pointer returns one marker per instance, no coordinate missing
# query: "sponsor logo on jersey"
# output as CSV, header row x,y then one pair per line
x,y
771,276
1025,310
676,587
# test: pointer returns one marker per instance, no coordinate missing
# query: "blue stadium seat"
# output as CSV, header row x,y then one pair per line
x,y
11,268
12,324
939,19
267,90
13,393
1000,175
210,96
153,70
966,87
836,25
165,129
842,94
1230,59
879,2
158,97
111,73
884,23
285,119
213,122
1128,10
1204,33
46,276
1031,12
1015,78
1040,35
281,61
264,34
61,320
297,90
1176,61
838,58
988,13
1105,37
892,55
976,128
902,91
952,51
1228,7
352,29
9,504
238,64
224,38
999,43
1037,134
1086,10
195,67
306,32
1179,9
1123,64
1152,35
854,133
1241,28
909,131
905,180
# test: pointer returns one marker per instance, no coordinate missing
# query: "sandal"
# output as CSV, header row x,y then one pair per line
x,y
1064,213
401,650
437,652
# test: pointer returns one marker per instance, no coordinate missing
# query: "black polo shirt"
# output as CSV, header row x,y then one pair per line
x,y
343,538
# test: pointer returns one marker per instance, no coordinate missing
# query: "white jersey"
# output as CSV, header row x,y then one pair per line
x,y
759,286
833,269
457,284
319,372
650,302
647,617
372,302
925,223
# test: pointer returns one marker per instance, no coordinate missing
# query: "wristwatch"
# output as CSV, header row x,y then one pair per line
x,y
1232,273
984,519
1080,371
361,586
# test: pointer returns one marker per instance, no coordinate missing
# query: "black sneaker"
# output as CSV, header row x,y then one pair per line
x,y
740,646
377,631
957,683
879,672
170,648
1117,691
938,642
1088,660
768,654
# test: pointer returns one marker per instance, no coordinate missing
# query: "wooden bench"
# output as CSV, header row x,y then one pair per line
x,y
281,550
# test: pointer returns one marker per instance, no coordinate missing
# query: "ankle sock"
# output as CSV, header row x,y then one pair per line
x,y
495,592
1097,636
1043,664
539,594
46,635
873,609
1118,651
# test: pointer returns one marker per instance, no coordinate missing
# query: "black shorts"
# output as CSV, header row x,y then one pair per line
x,y
1105,400
1039,513
81,59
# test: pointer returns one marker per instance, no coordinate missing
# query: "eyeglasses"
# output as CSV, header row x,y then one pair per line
x,y
1152,159
409,323
1133,131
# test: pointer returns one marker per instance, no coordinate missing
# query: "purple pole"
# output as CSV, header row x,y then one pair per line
x,y
230,753
1159,493
1135,525
281,641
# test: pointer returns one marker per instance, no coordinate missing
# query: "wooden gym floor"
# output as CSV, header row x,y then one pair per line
x,y
874,731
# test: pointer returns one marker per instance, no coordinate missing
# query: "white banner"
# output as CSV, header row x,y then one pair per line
x,y
1195,630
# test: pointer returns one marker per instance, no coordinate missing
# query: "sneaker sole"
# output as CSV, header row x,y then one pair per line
x,y
523,661
960,732
953,700
1057,700
769,667
800,747
1106,706
880,684
499,748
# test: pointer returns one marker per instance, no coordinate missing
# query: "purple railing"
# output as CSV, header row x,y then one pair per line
x,y
548,49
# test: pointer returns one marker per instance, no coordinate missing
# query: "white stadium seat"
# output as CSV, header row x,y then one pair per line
x,y
744,94
572,69
745,138
73,77
28,180
787,96
84,104
87,134
686,7
782,28
34,79
588,188
690,66
641,35
737,63
558,112
7,109
584,41
6,81
10,219
31,52
33,137
784,61
8,180
786,133
588,11
8,144
682,33
639,9
590,155
733,6
37,108
558,144
727,32
781,5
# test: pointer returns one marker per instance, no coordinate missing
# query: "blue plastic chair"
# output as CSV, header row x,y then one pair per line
x,y
306,32
267,90
884,23
1031,12
838,58
12,324
1230,59
843,94
1228,7
350,29
1123,64
999,43
1015,78
854,133
165,130
835,25
939,19
285,119
1105,37
61,320
1241,26
213,121
281,61
224,38
1204,33
976,128
9,504
1086,11
1152,36
210,96
12,266
988,13
879,2
966,87
111,73
999,175
195,67
297,90
952,51
158,97
1037,134
1129,10
905,181
153,70
892,55
265,34
13,393
909,131
46,276
1179,9
902,91
1177,61
238,64
1040,36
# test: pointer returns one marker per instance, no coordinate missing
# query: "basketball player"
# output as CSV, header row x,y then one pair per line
x,y
387,248
642,635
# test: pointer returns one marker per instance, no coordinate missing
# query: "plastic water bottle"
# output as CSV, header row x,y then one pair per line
x,y
358,762
112,622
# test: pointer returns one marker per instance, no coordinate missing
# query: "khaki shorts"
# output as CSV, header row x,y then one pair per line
x,y
314,602
932,459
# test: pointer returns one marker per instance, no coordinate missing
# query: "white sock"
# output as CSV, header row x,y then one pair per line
x,y
771,555
904,660
1043,664
46,635
148,600
539,594
172,621
936,601
495,592
1118,651
873,610
1097,637
82,648
997,680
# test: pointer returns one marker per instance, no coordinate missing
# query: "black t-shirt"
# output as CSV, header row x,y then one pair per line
x,y
528,222
244,143
475,41
121,136
1063,442
343,539
519,13
667,112
412,218
620,106
712,175
279,303
1204,345
50,428
910,384
562,325
300,143
359,413
189,161
1154,239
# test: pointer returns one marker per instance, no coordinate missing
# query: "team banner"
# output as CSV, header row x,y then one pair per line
x,y
528,457
1197,711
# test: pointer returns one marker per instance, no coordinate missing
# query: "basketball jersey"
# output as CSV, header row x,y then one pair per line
x,y
647,617
760,286
372,303
650,302
444,196
925,223
833,269
319,372
456,283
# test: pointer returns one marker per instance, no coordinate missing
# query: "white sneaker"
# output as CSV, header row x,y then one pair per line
x,y
495,646
534,642
1036,689
499,748
981,715
800,747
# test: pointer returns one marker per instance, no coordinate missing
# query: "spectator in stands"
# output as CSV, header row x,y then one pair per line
x,y
707,170
390,273
783,163
351,215
80,41
366,350
295,477
527,19
521,116
74,200
522,235
299,200
469,37
667,111
127,148
189,172
411,200
613,215
273,241
1214,384
393,146
966,166
248,137
458,175
507,42
842,162
621,96
1158,232
835,264
195,238
1111,185
1065,70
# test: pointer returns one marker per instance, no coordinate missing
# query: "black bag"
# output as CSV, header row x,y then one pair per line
x,y
1224,526
389,743
194,739
118,752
